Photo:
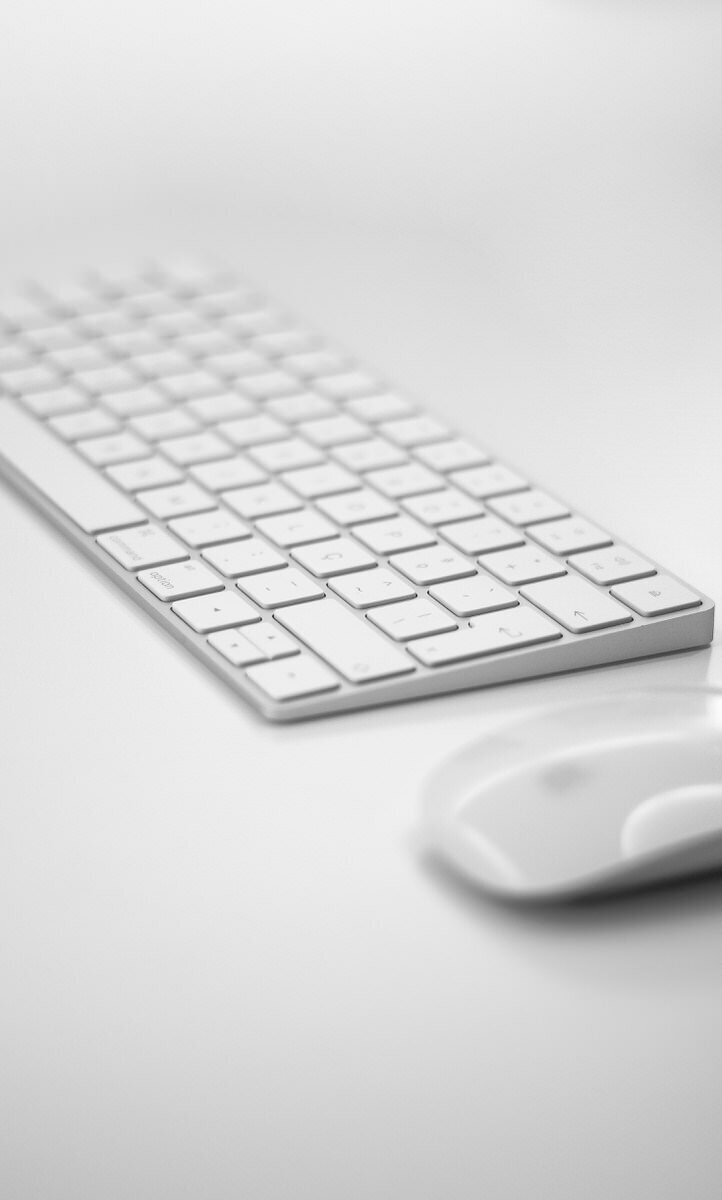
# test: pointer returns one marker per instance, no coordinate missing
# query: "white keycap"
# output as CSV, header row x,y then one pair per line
x,y
104,380
247,557
251,431
89,422
78,358
205,614
654,597
334,431
145,473
29,379
569,535
396,534
112,448
261,320
56,402
135,402
366,589
303,406
618,564
235,364
192,386
312,364
176,501
346,641
209,528
490,634
286,455
480,535
576,604
347,385
414,431
523,565
435,564
177,582
205,343
142,546
132,343
284,342
293,679
485,482
236,648
275,589
14,357
195,448
325,480
385,407
269,385
270,641
178,325
105,324
411,619
334,557
369,455
161,363
52,337
437,508
408,480
263,500
451,455
527,508
296,528
350,508
225,406
470,597
225,473
169,423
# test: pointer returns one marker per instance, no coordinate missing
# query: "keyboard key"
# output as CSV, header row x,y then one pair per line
x,y
414,431
236,648
206,614
236,364
246,557
192,386
436,508
366,589
161,363
334,557
618,564
284,342
78,358
225,406
345,641
408,480
287,455
470,597
176,501
276,589
576,605
169,423
56,402
134,342
268,385
142,546
204,343
525,565
25,380
527,508
350,508
348,385
178,582
480,535
195,448
145,473
263,500
334,431
251,431
394,535
209,528
112,448
271,641
411,619
135,402
296,528
432,565
104,380
312,364
491,634
451,455
303,406
293,679
569,535
484,482
89,422
369,455
655,597
384,407
325,480
225,473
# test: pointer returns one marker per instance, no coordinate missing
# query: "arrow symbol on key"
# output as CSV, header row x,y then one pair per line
x,y
582,616
509,633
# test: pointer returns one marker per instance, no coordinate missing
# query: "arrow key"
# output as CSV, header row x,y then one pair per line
x,y
219,611
576,604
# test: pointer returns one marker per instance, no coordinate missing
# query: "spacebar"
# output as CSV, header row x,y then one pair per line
x,y
344,640
73,486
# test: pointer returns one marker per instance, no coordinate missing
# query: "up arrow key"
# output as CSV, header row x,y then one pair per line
x,y
577,605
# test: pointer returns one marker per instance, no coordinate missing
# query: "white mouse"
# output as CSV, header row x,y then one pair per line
x,y
594,797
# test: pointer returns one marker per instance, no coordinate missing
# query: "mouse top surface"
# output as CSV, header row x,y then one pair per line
x,y
591,797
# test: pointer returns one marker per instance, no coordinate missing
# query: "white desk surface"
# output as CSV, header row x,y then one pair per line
x,y
226,970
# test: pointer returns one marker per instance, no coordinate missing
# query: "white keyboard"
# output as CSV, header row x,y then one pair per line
x,y
318,540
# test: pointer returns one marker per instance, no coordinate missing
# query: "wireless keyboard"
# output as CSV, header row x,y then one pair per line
x,y
313,536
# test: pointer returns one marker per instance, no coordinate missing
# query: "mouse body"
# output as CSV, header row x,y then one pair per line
x,y
599,796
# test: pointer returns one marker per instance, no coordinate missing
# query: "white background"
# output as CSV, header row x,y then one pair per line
x,y
226,969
